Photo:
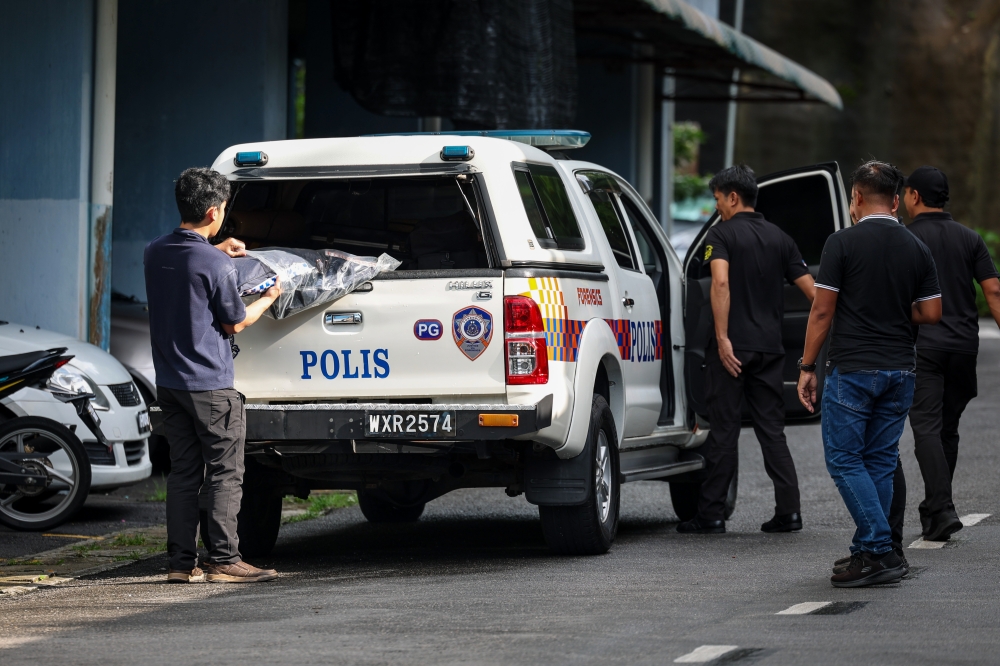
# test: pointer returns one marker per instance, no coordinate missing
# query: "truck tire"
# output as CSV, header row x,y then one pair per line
x,y
684,497
260,511
590,528
378,510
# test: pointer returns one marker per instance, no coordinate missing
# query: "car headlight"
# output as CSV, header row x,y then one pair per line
x,y
73,382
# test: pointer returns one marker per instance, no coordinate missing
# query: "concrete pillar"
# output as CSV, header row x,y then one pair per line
x,y
193,78
102,173
45,162
667,155
645,130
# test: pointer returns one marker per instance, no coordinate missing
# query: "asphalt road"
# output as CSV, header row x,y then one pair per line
x,y
472,582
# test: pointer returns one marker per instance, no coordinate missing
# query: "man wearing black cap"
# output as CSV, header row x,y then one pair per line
x,y
946,353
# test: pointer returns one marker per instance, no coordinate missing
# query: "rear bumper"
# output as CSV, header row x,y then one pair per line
x,y
330,421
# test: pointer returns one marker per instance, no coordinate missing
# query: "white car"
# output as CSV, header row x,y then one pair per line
x,y
541,334
117,401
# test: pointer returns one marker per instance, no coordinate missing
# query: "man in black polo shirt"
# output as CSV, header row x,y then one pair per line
x,y
946,353
750,260
876,280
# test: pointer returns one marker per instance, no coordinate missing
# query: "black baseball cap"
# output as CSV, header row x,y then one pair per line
x,y
932,185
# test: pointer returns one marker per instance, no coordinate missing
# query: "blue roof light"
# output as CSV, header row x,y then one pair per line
x,y
457,153
250,158
540,138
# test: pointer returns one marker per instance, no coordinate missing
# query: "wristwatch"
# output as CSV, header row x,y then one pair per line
x,y
807,367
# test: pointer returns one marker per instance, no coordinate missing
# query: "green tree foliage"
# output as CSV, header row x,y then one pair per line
x,y
688,184
992,240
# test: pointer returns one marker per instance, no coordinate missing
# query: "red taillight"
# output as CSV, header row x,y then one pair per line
x,y
60,362
524,342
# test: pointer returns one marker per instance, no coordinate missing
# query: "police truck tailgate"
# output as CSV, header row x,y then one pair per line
x,y
405,335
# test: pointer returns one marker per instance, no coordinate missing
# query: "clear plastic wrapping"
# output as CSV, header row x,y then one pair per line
x,y
307,277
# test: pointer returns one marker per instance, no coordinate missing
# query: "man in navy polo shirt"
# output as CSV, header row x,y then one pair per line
x,y
194,310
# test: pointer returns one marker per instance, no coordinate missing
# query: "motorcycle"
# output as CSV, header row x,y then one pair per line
x,y
44,469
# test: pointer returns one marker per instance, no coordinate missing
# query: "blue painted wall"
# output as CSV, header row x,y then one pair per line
x,y
193,78
46,51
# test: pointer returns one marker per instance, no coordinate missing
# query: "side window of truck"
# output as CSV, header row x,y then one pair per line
x,y
548,208
602,192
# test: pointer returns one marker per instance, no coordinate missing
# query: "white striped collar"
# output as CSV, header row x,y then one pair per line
x,y
884,216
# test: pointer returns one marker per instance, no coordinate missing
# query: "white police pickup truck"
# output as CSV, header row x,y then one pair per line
x,y
532,339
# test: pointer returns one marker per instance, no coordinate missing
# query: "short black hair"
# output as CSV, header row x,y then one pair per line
x,y
198,189
738,178
877,180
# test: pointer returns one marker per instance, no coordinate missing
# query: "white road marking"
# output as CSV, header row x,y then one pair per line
x,y
973,518
927,545
705,653
988,330
804,608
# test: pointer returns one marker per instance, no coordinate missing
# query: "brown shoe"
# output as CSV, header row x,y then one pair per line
x,y
239,572
196,575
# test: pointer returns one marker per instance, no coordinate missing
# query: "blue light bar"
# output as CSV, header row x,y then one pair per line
x,y
251,158
541,138
457,153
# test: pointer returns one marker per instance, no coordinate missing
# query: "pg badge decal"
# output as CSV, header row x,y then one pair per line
x,y
473,330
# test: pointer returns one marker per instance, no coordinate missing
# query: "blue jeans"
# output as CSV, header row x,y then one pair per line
x,y
863,417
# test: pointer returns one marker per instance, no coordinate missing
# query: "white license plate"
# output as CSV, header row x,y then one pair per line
x,y
143,420
410,424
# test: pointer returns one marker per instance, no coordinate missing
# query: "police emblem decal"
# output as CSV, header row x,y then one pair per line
x,y
472,328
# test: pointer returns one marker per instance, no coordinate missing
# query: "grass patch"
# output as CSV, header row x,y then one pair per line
x,y
320,503
22,563
133,555
159,493
85,548
129,540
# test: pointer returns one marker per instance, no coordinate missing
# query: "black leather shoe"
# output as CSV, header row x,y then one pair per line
x,y
698,526
942,526
790,522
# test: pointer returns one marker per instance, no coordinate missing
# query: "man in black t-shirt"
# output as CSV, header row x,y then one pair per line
x,y
946,353
750,260
876,280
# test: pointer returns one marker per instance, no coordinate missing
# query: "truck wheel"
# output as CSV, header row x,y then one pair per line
x,y
378,510
590,528
684,497
260,511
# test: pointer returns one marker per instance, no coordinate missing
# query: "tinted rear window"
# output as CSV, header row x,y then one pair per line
x,y
428,223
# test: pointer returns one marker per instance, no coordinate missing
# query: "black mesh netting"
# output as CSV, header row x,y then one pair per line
x,y
482,63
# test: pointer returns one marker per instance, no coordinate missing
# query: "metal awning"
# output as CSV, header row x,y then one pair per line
x,y
696,47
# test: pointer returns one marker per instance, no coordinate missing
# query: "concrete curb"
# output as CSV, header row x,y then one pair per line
x,y
19,576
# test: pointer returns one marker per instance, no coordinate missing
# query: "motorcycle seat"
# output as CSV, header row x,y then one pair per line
x,y
15,362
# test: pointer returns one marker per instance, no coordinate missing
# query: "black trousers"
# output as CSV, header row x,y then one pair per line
x,y
760,383
946,382
206,431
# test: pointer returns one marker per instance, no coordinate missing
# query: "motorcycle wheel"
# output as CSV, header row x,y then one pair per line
x,y
65,464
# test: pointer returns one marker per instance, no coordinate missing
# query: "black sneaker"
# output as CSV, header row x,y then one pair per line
x,y
941,526
843,564
699,526
790,522
871,569
906,565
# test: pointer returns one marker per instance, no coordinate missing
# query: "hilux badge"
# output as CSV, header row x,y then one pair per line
x,y
473,330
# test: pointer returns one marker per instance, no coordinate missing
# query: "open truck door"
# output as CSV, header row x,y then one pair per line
x,y
808,203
